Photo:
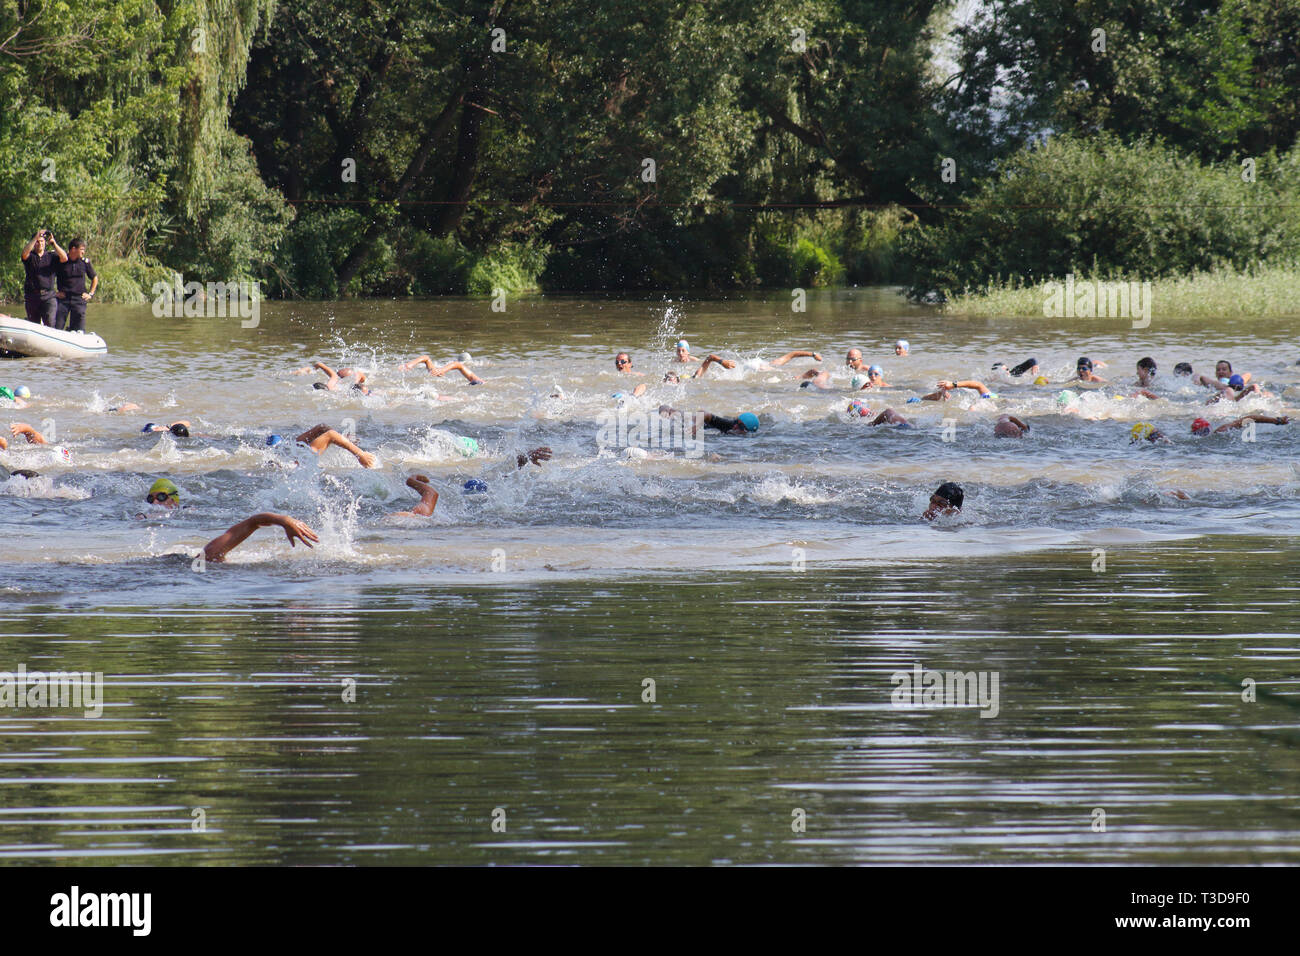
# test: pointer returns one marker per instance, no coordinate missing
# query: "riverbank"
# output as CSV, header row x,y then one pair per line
x,y
1267,291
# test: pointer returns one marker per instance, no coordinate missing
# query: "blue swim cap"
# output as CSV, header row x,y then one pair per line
x,y
474,487
22,391
273,440
913,400
619,395
749,420
875,369
1237,381
147,428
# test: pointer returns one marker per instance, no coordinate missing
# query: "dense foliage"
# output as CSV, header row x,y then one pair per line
x,y
394,147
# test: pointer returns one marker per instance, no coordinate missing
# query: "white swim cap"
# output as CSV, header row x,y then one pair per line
x,y
858,381
902,344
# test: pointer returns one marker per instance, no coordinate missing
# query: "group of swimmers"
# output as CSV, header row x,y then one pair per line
x,y
948,498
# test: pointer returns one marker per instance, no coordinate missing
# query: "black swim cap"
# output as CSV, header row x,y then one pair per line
x,y
1084,362
1148,362
321,385
180,430
951,492
1184,368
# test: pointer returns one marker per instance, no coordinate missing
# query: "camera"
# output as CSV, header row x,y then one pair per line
x,y
48,235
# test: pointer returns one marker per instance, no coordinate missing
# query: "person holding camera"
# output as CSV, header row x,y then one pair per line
x,y
38,287
73,294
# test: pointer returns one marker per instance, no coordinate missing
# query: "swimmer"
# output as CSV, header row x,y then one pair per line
x,y
854,360
180,429
1083,371
26,431
6,474
887,417
623,364
536,456
1236,389
946,500
16,395
1201,427
901,347
437,372
876,378
164,494
321,437
215,551
428,498
1183,368
1028,365
789,356
712,359
1149,432
125,407
1008,426
816,378
946,387
745,423
682,353
1146,372
335,379
1222,375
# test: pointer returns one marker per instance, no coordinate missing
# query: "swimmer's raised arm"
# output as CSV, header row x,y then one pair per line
x,y
217,549
798,353
422,360
536,456
1262,419
27,431
888,417
1145,394
428,498
457,367
322,436
725,363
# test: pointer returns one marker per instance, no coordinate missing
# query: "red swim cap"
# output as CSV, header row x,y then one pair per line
x,y
1200,425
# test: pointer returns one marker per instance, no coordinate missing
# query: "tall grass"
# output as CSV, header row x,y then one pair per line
x,y
1264,290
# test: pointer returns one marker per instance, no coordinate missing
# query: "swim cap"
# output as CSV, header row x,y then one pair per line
x,y
902,344
467,446
749,420
22,391
1141,430
988,394
1041,380
1237,381
859,406
465,358
683,344
912,401
858,381
1199,426
1066,397
179,430
1084,362
474,487
273,440
1225,381
876,369
150,427
321,386
6,391
619,395
164,485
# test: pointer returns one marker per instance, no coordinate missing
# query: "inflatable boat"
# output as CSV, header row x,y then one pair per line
x,y
28,338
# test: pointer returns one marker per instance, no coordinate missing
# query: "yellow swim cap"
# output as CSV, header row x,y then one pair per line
x,y
164,486
1041,380
1141,430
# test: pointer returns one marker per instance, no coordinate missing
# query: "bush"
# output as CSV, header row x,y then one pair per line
x,y
1101,207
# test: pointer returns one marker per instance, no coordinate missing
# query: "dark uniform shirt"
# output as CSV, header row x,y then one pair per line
x,y
73,275
40,274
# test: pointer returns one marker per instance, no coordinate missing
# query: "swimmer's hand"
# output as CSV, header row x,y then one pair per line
x,y
946,385
536,456
27,431
296,531
367,460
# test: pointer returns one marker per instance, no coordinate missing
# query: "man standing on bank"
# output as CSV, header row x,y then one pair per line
x,y
38,288
73,294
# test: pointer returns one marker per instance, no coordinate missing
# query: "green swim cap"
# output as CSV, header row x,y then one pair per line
x,y
467,446
6,392
165,486
1066,397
